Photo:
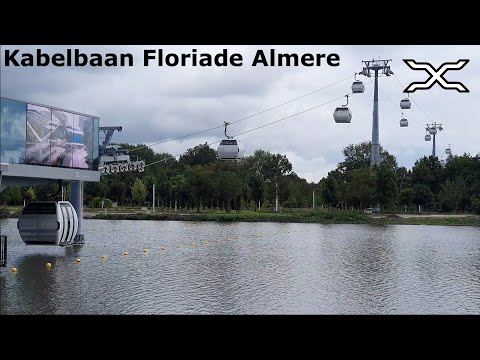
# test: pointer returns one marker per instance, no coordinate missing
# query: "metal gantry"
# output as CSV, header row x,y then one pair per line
x,y
432,129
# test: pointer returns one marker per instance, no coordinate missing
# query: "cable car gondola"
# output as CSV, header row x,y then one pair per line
x,y
405,103
442,162
432,131
448,151
428,137
229,148
48,223
357,86
403,122
342,114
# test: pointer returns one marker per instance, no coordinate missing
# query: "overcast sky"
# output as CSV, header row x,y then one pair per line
x,y
157,103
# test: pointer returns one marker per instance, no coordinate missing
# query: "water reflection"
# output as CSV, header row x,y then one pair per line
x,y
35,287
210,268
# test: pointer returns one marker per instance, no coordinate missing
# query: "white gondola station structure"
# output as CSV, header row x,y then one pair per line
x,y
67,154
230,148
48,223
343,114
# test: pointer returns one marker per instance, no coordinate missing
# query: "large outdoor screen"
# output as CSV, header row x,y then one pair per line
x,y
12,131
39,130
41,135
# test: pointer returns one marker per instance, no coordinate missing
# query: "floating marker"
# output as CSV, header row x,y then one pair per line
x,y
205,243
125,253
14,270
77,260
145,250
104,257
48,265
162,248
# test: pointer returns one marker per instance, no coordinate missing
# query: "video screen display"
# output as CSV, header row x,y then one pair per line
x,y
13,115
83,142
39,135
39,129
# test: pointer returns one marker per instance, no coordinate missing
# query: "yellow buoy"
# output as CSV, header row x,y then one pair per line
x,y
162,248
14,270
145,250
104,257
49,266
125,253
77,260
205,243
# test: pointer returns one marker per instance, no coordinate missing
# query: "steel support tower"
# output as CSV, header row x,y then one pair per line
x,y
376,68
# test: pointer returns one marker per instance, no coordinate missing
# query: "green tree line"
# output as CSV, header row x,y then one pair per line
x,y
199,181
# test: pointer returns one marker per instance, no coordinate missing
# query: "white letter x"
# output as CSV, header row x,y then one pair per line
x,y
436,76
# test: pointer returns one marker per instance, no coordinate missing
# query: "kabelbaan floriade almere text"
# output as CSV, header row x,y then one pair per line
x,y
157,57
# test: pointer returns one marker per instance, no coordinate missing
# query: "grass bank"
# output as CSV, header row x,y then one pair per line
x,y
319,217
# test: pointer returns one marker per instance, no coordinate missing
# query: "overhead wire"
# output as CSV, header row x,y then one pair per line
x,y
421,109
244,118
253,129
384,94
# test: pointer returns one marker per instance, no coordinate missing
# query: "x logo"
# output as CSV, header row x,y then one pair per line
x,y
436,75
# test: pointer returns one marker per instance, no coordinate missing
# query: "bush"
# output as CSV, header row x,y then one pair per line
x,y
97,202
4,212
476,204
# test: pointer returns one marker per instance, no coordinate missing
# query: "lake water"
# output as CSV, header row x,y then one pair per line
x,y
246,268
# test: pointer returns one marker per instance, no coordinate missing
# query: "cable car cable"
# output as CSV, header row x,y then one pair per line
x,y
245,118
256,128
384,94
421,109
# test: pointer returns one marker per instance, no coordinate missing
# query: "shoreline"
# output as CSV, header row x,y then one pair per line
x,y
308,217
346,217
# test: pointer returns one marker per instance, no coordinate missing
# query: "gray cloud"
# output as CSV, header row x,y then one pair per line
x,y
157,103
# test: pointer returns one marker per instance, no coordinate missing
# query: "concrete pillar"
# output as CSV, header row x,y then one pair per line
x,y
76,198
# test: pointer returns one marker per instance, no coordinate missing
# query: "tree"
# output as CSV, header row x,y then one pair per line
x,y
328,190
428,172
385,185
454,195
423,195
403,177
198,184
15,194
178,185
406,196
228,188
199,155
30,195
357,156
475,200
257,187
139,191
117,190
360,187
